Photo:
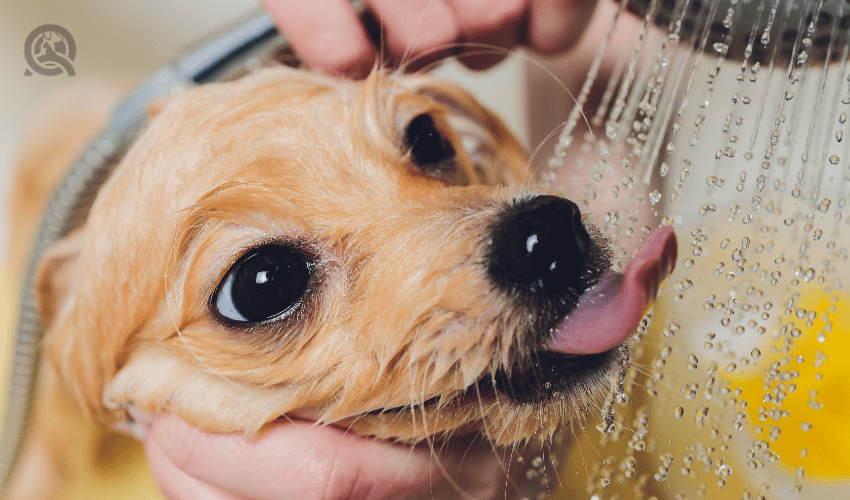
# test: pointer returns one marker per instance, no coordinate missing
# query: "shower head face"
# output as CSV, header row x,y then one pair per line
x,y
754,29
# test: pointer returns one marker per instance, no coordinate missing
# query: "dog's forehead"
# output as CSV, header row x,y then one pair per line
x,y
290,128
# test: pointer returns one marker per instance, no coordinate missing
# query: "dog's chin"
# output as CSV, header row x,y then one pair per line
x,y
526,403
553,376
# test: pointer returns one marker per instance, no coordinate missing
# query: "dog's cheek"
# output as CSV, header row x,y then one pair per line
x,y
156,380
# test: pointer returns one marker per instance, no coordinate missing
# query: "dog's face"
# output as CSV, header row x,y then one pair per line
x,y
365,253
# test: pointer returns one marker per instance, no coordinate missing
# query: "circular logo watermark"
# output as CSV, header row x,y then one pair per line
x,y
49,50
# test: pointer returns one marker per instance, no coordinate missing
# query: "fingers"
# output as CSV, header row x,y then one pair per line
x,y
301,460
416,31
555,26
326,34
485,22
175,483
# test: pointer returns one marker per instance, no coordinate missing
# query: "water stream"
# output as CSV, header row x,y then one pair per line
x,y
727,121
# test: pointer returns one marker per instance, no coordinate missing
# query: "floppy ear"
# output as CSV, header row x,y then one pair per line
x,y
71,356
54,279
502,153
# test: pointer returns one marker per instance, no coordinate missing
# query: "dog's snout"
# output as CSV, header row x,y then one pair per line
x,y
540,244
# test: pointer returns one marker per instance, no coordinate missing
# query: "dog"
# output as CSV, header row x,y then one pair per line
x,y
369,254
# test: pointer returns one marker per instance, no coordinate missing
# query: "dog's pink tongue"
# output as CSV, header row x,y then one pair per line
x,y
609,312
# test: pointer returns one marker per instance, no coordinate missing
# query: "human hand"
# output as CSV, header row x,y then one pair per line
x,y
300,460
328,35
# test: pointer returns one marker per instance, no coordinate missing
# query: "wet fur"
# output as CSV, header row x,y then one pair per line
x,y
401,334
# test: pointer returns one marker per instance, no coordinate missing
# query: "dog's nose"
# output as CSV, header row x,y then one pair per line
x,y
540,244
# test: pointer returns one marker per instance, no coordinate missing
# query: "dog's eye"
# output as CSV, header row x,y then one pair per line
x,y
428,147
267,282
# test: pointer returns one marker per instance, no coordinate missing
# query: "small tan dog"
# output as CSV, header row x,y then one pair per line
x,y
368,254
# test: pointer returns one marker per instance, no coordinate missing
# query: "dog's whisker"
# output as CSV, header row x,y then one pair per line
x,y
577,439
650,375
487,433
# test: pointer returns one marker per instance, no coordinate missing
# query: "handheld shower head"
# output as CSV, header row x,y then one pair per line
x,y
753,29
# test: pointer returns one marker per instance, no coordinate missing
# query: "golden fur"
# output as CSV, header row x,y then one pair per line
x,y
399,311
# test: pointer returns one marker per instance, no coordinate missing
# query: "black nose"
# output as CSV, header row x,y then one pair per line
x,y
540,244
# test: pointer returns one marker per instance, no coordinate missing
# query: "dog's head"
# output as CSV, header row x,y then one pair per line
x,y
366,253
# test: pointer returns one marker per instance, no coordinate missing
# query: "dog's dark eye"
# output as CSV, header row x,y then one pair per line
x,y
428,147
265,283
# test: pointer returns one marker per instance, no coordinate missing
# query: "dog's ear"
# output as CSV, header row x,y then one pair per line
x,y
507,156
73,357
55,275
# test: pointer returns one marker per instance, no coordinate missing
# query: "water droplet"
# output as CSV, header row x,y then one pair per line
x,y
765,38
727,21
806,426
834,159
612,219
789,95
817,235
802,57
843,117
605,482
628,182
721,48
611,130
839,135
654,197
664,170
678,412
823,207
789,221
756,353
755,69
809,275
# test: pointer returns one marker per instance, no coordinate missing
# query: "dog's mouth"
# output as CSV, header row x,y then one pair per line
x,y
590,342
608,313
